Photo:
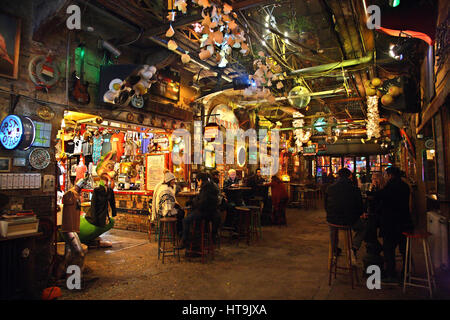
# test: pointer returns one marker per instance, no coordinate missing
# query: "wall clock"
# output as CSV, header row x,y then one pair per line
x,y
17,132
39,158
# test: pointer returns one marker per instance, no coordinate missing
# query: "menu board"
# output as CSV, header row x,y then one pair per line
x,y
155,165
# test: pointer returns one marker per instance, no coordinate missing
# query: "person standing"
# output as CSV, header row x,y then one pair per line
x,y
344,206
395,219
280,199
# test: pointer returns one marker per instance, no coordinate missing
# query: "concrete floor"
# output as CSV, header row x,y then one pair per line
x,y
289,263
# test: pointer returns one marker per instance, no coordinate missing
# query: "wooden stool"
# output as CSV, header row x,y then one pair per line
x,y
206,242
333,260
167,235
243,224
153,229
407,278
255,221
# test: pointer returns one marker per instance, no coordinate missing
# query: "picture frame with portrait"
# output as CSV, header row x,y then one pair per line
x,y
10,29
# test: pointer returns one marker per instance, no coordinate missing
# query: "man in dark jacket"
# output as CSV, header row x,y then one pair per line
x,y
344,206
204,206
394,219
102,199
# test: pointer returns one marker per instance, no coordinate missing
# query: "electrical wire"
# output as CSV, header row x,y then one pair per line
x,y
131,42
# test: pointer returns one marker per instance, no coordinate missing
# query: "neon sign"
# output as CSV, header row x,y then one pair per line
x,y
17,132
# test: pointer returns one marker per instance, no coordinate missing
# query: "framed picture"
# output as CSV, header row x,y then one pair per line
x,y
5,164
9,45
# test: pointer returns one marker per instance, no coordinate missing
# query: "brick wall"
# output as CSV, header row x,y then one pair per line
x,y
133,222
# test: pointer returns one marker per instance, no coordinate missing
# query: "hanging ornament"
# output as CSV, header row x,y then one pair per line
x,y
373,117
301,136
185,58
170,32
172,45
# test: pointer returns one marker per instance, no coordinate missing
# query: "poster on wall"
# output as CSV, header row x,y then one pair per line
x,y
43,134
155,165
9,45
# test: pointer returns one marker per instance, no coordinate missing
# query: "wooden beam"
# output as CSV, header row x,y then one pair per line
x,y
247,4
47,16
180,22
334,101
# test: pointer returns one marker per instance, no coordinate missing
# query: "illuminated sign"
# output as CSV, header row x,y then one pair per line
x,y
224,116
311,150
17,132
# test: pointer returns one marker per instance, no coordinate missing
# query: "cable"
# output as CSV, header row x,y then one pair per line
x,y
131,42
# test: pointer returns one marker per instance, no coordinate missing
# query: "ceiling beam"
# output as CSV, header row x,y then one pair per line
x,y
179,22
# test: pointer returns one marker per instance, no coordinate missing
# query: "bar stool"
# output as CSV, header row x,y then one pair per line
x,y
206,245
255,221
153,228
167,235
243,224
407,277
333,260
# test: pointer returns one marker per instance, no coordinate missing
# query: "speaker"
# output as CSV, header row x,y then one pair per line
x,y
109,73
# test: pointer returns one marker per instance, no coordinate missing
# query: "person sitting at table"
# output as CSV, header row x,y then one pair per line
x,y
222,197
165,201
204,206
256,179
279,201
234,196
232,180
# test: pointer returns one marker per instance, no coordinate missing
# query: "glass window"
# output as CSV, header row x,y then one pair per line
x,y
349,164
323,161
385,161
360,164
336,164
374,163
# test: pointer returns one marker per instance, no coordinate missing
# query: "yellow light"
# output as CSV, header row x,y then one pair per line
x,y
285,178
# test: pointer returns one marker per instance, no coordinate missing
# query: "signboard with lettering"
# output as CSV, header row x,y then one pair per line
x,y
224,116
310,150
17,132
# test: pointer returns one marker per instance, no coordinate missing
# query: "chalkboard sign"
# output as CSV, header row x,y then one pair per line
x,y
439,156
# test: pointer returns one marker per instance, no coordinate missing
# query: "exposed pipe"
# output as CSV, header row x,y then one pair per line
x,y
333,65
312,95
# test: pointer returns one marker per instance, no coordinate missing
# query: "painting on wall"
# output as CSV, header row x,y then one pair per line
x,y
9,45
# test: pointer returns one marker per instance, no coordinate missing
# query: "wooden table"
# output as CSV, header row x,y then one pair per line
x,y
184,196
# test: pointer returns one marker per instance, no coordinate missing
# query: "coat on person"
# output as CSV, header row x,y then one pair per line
x,y
343,202
102,198
280,199
394,212
205,204
71,211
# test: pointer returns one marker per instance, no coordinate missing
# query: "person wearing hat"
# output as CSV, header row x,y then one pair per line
x,y
73,254
164,202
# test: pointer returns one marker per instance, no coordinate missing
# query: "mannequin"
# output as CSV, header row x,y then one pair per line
x,y
70,227
97,221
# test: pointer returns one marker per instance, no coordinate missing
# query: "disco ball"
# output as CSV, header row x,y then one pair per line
x,y
299,102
